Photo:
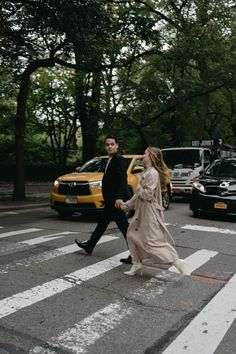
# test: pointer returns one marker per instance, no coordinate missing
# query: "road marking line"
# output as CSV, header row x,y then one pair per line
x,y
46,238
19,232
83,334
48,255
196,260
86,332
206,330
208,229
38,293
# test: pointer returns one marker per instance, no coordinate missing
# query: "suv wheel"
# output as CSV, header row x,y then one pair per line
x,y
166,199
65,212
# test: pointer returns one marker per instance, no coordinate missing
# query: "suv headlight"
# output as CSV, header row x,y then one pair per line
x,y
199,186
95,184
56,183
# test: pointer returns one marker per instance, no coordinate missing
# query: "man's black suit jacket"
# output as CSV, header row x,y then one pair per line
x,y
114,182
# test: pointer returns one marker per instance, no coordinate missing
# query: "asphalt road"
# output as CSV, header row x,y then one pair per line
x,y
55,299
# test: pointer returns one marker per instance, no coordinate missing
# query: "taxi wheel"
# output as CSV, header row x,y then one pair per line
x,y
166,199
65,212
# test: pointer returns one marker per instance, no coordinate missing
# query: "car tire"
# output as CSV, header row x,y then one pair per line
x,y
196,213
65,213
166,199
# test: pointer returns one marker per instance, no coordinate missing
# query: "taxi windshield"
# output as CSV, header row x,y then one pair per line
x,y
97,165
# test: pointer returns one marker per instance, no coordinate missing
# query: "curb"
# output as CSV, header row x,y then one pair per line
x,y
22,207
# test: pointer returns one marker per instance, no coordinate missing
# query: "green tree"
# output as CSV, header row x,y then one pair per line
x,y
52,104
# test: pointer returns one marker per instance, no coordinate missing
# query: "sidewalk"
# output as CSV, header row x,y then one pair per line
x,y
37,195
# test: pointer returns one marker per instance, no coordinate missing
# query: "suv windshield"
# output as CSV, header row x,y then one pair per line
x,y
222,168
181,158
97,165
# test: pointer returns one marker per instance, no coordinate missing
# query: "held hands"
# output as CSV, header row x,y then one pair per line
x,y
121,205
118,203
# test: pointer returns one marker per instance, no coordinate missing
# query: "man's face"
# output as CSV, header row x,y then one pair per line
x,y
111,147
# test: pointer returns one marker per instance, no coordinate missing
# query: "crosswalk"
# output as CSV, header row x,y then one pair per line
x,y
86,333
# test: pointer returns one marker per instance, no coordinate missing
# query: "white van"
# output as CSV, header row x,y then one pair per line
x,y
185,163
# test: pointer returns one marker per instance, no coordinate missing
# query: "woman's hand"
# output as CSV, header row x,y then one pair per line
x,y
123,206
118,203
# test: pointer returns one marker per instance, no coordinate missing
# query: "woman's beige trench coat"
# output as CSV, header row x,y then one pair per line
x,y
147,233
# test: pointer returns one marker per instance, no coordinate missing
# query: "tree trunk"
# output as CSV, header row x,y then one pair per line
x,y
233,125
202,117
94,109
19,185
88,113
20,123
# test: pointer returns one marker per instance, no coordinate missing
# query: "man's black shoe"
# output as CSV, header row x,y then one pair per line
x,y
84,244
127,260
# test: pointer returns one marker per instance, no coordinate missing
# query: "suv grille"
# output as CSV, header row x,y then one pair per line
x,y
74,188
216,190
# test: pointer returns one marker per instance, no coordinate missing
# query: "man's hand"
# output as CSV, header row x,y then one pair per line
x,y
118,203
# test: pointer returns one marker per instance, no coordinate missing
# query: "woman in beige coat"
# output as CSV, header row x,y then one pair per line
x,y
147,233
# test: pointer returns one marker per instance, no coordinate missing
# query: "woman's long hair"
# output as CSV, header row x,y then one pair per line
x,y
158,163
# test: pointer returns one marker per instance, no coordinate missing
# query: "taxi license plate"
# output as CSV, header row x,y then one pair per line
x,y
220,205
71,199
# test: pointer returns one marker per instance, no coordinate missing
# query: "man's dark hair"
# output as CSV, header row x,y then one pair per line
x,y
111,136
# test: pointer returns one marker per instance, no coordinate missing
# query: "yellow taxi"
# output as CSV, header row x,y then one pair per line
x,y
81,191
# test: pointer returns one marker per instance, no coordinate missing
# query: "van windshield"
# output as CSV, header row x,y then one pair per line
x,y
182,158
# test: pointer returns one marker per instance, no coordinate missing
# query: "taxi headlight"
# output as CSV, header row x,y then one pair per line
x,y
56,183
95,184
199,186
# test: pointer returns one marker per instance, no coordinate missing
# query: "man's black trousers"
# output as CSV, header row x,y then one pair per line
x,y
109,213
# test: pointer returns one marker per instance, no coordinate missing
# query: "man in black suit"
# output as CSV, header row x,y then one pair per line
x,y
114,191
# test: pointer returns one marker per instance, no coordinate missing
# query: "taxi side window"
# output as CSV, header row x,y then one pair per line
x,y
138,166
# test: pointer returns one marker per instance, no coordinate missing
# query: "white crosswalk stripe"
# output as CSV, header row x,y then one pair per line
x,y
41,292
48,255
83,334
209,229
197,259
18,232
47,238
207,329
